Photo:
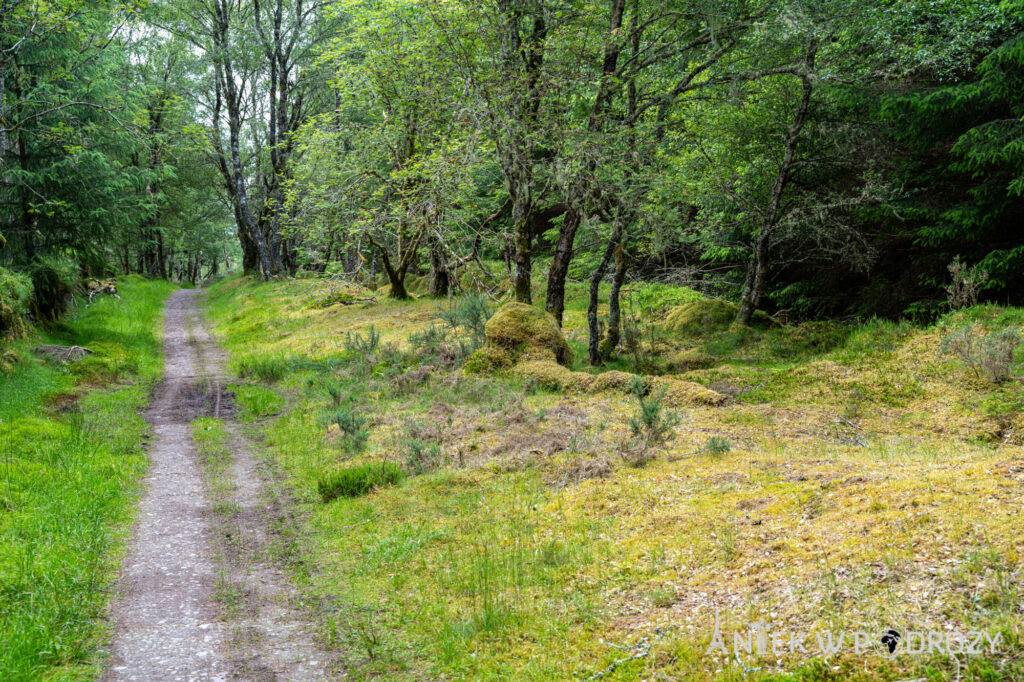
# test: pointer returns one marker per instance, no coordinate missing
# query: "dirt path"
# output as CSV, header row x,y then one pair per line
x,y
172,621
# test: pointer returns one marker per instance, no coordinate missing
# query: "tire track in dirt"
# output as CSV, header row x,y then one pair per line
x,y
269,638
169,624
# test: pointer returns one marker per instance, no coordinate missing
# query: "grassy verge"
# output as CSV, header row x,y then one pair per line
x,y
71,455
521,544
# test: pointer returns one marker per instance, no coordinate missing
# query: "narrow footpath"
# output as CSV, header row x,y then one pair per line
x,y
171,620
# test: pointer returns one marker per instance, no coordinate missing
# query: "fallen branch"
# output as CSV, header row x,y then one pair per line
x,y
846,421
103,290
63,353
853,434
96,287
640,650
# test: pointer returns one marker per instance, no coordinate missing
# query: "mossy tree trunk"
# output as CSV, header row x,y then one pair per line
x,y
523,33
522,258
440,273
566,236
614,334
555,302
594,342
396,273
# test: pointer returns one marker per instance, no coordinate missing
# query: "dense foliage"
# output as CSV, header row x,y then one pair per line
x,y
823,158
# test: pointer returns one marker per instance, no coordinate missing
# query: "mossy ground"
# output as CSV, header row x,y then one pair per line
x,y
870,483
71,456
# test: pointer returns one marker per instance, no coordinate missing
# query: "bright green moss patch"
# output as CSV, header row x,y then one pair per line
x,y
707,316
528,331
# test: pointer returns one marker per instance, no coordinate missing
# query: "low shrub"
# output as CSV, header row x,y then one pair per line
x,y
458,334
469,313
428,342
15,297
357,344
717,445
267,368
348,420
421,456
652,425
358,480
54,279
351,425
989,353
967,284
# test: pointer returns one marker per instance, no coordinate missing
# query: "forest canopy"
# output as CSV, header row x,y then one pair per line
x,y
826,159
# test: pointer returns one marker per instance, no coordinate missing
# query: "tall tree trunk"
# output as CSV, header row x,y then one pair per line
x,y
227,83
396,277
555,301
440,274
224,246
161,263
614,335
328,252
522,60
250,257
757,274
351,260
593,345
522,260
290,256
407,249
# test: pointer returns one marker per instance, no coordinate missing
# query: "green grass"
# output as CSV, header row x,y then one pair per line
x,y
69,470
499,564
269,368
256,402
358,480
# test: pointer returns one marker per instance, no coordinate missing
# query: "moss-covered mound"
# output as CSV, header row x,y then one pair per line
x,y
528,342
613,380
708,316
810,337
678,392
553,376
8,360
489,359
689,360
529,333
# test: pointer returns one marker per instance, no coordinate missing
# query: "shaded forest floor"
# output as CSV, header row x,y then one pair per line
x,y
855,479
